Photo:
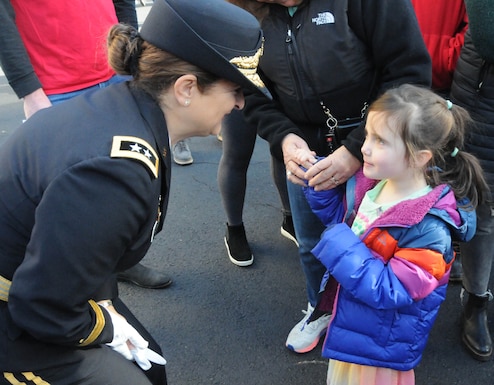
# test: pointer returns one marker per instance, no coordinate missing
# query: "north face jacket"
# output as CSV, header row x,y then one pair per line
x,y
345,52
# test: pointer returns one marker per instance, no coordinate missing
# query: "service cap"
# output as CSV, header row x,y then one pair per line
x,y
214,35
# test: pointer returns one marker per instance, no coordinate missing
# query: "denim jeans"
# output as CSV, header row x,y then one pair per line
x,y
58,98
477,255
308,229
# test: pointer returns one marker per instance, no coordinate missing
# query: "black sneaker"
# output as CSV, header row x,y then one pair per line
x,y
287,229
237,246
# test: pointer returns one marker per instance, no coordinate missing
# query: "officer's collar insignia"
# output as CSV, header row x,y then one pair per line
x,y
138,149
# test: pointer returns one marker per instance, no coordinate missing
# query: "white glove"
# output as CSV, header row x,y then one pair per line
x,y
123,332
144,357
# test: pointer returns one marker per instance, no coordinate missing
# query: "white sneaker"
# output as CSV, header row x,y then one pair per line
x,y
305,336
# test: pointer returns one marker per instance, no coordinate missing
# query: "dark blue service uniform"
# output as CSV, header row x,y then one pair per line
x,y
83,186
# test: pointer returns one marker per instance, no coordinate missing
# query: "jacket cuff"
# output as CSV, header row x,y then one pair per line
x,y
25,85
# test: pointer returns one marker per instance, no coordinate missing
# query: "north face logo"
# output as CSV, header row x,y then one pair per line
x,y
323,18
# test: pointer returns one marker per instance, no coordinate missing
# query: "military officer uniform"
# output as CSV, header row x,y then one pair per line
x,y
83,189
101,179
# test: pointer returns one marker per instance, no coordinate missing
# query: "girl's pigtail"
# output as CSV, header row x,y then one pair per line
x,y
462,170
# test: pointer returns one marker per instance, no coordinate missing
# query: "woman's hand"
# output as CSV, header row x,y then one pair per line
x,y
333,170
35,101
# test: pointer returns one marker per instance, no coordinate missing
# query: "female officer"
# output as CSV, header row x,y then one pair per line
x,y
85,185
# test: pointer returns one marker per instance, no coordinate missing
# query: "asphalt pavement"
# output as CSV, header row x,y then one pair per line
x,y
226,325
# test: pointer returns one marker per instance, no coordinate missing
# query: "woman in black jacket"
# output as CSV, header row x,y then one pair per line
x,y
324,61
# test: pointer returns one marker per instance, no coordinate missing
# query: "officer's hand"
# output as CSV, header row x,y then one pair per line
x,y
129,343
144,357
125,337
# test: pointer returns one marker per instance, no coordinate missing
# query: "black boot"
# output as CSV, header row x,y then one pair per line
x,y
143,276
475,334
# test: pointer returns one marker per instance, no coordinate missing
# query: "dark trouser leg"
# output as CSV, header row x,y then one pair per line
x,y
477,257
278,172
238,144
98,365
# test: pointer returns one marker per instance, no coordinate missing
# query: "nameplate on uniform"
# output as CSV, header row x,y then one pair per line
x,y
138,149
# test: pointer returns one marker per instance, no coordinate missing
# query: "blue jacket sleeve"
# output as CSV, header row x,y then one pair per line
x,y
326,204
357,270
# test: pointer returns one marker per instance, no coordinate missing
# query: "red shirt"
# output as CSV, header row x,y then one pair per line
x,y
66,41
443,24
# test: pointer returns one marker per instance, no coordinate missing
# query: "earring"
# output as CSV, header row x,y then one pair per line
x,y
187,102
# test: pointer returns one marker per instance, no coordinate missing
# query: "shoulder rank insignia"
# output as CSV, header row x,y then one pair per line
x,y
136,148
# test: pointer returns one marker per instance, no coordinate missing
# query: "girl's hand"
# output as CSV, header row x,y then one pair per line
x,y
296,154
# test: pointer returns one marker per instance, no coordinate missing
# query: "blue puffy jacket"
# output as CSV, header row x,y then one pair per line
x,y
393,278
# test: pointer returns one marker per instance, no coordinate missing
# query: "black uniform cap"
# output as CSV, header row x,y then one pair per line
x,y
214,35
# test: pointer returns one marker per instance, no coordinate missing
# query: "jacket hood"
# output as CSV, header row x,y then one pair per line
x,y
440,202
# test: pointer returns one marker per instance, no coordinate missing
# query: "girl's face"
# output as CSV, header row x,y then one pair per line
x,y
383,150
285,3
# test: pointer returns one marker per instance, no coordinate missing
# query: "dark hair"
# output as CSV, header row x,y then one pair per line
x,y
152,69
426,121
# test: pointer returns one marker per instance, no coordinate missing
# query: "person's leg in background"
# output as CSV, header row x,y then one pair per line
x,y
477,258
238,144
278,172
305,334
181,153
456,274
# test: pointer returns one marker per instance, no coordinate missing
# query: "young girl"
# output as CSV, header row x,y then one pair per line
x,y
416,192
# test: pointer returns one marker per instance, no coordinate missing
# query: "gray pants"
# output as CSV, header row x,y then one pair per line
x,y
477,255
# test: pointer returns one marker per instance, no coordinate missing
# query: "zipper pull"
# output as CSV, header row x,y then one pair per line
x,y
288,36
288,41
